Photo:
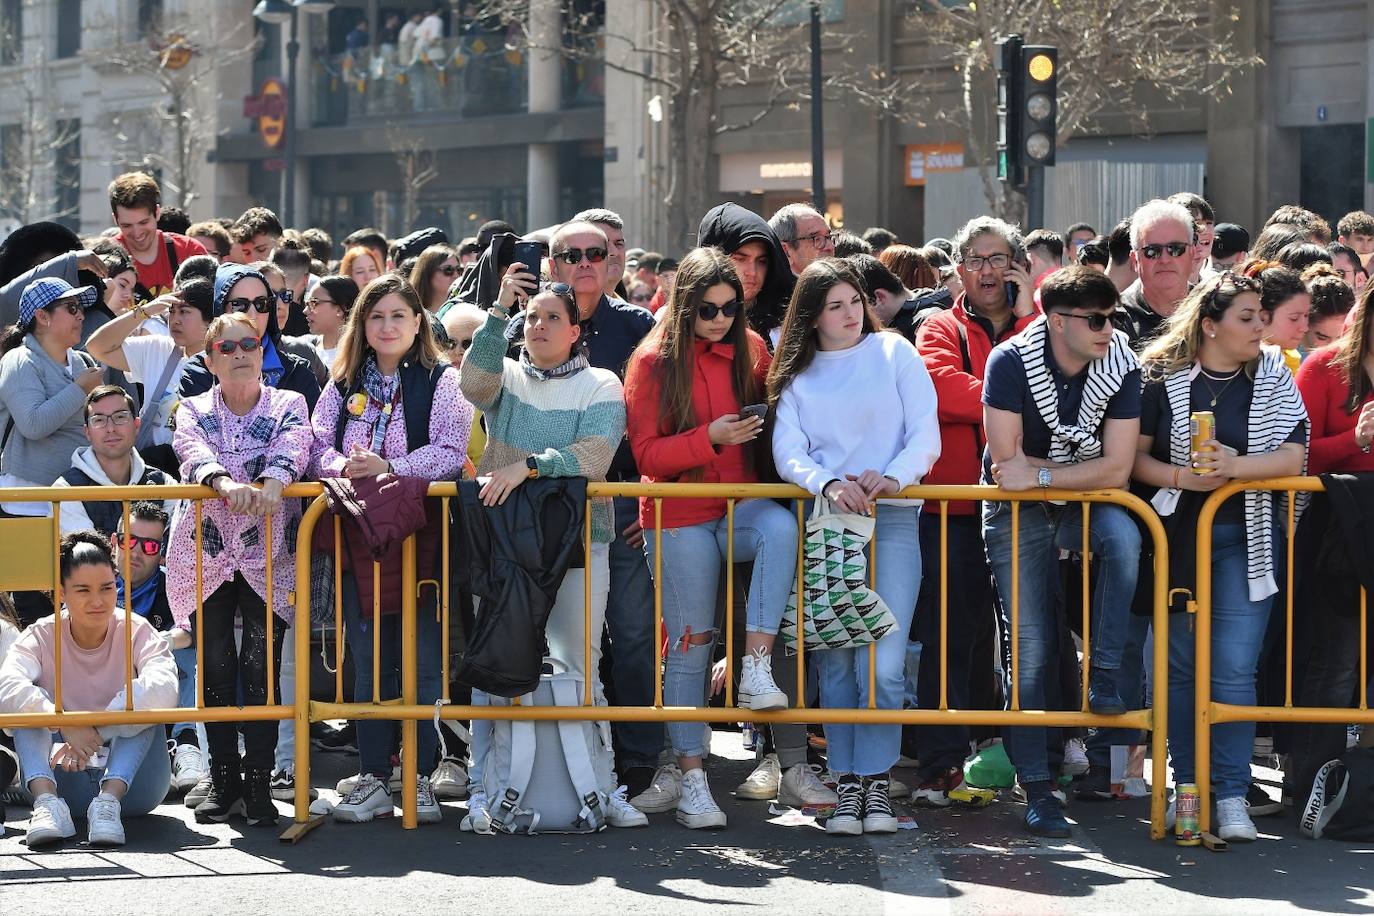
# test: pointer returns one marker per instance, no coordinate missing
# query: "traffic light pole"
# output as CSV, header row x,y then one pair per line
x,y
1035,197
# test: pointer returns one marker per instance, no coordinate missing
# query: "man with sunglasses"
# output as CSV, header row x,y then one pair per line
x,y
1162,256
1062,411
804,234
111,427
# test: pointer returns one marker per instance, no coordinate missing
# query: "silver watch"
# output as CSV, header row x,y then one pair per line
x,y
1044,478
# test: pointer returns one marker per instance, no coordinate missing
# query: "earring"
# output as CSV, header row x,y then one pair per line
x,y
1213,334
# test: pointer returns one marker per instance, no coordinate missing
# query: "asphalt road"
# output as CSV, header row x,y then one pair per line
x,y
958,861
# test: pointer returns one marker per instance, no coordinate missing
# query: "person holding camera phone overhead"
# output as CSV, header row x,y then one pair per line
x,y
689,391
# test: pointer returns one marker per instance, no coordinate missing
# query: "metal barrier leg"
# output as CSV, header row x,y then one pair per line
x,y
303,820
410,762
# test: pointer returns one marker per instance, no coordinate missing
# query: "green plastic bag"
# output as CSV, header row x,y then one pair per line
x,y
990,768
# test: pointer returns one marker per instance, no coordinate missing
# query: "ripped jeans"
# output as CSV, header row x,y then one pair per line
x,y
692,558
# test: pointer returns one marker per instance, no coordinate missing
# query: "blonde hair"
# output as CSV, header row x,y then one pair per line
x,y
221,324
1178,346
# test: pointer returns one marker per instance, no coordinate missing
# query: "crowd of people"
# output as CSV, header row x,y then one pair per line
x,y
245,357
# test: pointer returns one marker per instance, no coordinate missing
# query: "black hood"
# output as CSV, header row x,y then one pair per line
x,y
730,226
480,284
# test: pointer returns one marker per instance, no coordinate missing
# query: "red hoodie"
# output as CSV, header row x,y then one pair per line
x,y
959,391
667,457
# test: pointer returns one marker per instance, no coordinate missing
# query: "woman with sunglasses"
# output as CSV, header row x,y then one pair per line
x,y
243,288
856,424
433,274
1210,358
550,413
327,307
394,407
685,389
240,434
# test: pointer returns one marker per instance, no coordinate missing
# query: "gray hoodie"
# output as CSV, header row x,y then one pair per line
x,y
45,406
74,515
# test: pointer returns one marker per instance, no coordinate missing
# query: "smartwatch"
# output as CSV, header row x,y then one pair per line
x,y
1044,478
533,464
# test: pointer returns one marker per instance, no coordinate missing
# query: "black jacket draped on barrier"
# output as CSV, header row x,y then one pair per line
x,y
513,557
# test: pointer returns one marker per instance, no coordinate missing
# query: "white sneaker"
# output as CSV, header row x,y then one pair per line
x,y
188,767
283,785
663,793
51,821
1233,820
103,823
427,810
450,780
370,798
757,689
801,787
762,784
348,783
1075,758
620,813
478,818
697,809
897,789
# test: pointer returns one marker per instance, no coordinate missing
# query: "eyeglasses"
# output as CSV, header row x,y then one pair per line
x,y
575,255
68,306
709,312
151,547
102,420
996,261
1153,252
262,304
558,289
448,270
285,295
819,239
246,344
1096,321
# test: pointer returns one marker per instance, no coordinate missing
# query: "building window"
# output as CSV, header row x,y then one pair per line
x,y
68,28
67,173
149,18
11,32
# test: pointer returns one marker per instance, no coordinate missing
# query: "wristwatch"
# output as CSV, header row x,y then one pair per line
x,y
533,464
1044,478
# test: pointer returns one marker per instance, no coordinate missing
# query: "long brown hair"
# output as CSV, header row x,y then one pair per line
x,y
669,350
1350,351
353,348
426,265
910,266
798,342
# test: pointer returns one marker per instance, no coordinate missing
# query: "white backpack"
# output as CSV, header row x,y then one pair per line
x,y
541,776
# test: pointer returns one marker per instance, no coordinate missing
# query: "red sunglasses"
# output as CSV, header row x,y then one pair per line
x,y
151,547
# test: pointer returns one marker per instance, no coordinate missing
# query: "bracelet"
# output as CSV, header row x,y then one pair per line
x,y
1177,471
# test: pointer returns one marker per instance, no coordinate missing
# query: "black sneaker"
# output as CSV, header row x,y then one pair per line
x,y
847,818
1103,698
637,780
340,739
878,816
226,795
1261,804
1095,785
1043,818
258,808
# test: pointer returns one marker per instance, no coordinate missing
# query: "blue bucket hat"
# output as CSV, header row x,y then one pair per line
x,y
41,294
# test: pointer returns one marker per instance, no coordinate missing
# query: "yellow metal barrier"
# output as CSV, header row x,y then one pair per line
x,y
1209,712
410,713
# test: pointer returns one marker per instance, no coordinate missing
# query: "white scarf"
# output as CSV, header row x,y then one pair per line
x,y
1080,442
1276,408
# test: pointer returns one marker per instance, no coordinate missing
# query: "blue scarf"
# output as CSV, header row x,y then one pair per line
x,y
143,596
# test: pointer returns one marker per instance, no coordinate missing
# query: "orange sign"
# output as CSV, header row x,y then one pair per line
x,y
924,159
272,112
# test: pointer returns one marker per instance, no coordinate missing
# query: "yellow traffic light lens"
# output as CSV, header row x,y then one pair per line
x,y
1041,67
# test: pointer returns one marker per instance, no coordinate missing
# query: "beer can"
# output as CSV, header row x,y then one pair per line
x,y
1203,426
1187,809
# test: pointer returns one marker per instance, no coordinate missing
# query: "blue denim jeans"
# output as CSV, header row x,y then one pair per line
x,y
1130,684
692,558
374,735
1045,530
869,750
139,761
1238,626
186,692
634,660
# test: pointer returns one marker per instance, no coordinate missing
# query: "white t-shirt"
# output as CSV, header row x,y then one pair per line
x,y
147,357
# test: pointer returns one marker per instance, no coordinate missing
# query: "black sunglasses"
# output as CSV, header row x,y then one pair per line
x,y
1175,249
246,344
262,304
574,255
709,312
285,295
151,547
1096,321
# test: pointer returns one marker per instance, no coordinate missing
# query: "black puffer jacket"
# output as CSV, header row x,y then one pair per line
x,y
514,557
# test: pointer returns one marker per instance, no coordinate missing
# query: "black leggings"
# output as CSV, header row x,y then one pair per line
x,y
226,666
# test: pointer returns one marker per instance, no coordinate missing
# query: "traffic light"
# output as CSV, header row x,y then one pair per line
x,y
1009,152
1038,103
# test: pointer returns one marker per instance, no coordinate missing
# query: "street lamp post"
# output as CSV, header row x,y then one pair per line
x,y
280,12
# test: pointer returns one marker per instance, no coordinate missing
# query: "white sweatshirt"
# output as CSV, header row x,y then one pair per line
x,y
871,406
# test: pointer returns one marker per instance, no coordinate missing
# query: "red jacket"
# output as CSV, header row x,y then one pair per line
x,y
959,392
1324,391
663,456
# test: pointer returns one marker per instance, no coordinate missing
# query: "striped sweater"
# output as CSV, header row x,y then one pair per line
x,y
572,426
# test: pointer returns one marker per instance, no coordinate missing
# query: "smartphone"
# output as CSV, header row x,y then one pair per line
x,y
529,254
754,410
